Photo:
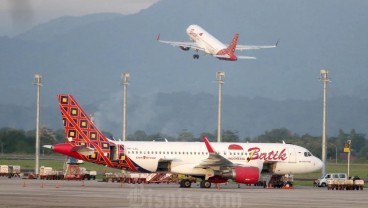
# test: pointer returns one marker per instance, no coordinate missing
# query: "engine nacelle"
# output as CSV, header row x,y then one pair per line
x,y
247,175
184,48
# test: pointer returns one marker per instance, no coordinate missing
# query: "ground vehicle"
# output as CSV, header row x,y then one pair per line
x,y
48,173
281,181
9,171
358,184
322,182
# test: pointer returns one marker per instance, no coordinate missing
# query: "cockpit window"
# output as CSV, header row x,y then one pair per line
x,y
307,154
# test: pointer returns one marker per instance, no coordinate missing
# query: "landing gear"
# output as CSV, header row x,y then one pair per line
x,y
185,183
205,184
195,56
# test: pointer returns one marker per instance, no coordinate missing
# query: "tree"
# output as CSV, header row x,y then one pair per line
x,y
185,135
230,136
138,136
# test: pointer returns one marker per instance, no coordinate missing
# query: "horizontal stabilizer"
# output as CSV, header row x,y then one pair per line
x,y
47,146
225,56
83,150
246,57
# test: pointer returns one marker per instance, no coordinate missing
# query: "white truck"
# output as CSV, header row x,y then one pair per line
x,y
322,182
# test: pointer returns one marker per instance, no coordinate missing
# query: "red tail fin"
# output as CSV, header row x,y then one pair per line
x,y
84,137
81,131
78,126
229,52
231,48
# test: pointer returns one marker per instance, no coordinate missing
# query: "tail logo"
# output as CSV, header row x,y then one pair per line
x,y
81,131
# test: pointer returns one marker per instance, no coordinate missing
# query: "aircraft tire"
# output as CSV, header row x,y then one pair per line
x,y
185,183
205,184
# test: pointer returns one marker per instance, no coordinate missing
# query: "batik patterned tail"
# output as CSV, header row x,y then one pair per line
x,y
81,131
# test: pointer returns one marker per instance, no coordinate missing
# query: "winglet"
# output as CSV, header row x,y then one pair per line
x,y
208,145
158,37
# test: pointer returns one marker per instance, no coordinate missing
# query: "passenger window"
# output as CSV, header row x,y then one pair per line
x,y
328,176
335,176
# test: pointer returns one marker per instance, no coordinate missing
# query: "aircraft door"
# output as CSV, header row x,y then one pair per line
x,y
113,153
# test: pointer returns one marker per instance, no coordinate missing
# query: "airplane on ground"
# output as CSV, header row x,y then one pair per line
x,y
204,41
212,162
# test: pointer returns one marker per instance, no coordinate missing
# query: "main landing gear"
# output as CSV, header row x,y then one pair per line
x,y
205,184
185,183
195,56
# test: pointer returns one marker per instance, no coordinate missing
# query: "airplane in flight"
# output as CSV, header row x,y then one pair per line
x,y
204,41
212,162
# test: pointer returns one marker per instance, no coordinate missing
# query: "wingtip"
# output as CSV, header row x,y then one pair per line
x,y
277,43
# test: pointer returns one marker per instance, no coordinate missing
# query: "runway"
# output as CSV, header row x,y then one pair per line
x,y
38,193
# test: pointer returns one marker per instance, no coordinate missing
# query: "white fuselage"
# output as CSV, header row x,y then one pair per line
x,y
185,156
204,39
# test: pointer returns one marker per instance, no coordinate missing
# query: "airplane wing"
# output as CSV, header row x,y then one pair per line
x,y
254,47
214,159
183,45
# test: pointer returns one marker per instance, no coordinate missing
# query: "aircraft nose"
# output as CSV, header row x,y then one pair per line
x,y
318,163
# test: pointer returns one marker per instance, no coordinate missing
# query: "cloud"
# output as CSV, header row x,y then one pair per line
x,y
20,15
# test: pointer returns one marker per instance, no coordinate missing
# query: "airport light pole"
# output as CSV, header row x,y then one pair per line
x,y
38,83
124,81
324,78
220,77
349,144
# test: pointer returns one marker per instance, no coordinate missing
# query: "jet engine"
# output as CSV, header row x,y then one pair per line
x,y
247,175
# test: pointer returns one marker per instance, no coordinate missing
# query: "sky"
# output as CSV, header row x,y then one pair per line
x,y
17,16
